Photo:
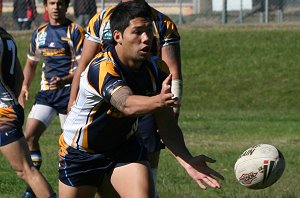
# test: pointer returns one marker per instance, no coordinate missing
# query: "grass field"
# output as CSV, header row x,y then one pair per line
x,y
241,88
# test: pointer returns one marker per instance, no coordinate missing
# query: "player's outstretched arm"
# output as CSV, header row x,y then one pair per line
x,y
136,105
172,137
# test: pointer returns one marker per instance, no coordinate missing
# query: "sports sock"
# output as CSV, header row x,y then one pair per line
x,y
36,157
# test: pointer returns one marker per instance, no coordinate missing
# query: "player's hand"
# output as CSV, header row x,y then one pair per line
x,y
57,83
24,95
166,95
202,174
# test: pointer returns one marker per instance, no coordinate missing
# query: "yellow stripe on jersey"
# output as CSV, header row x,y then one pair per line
x,y
7,114
90,28
107,67
63,146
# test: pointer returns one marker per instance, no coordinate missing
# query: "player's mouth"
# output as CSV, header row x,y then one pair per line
x,y
145,50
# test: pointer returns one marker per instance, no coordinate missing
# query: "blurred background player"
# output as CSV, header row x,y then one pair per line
x,y
12,142
84,10
99,136
165,45
59,43
24,13
1,6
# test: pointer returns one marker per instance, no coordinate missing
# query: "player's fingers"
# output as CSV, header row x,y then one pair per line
x,y
21,101
199,182
211,182
26,95
168,80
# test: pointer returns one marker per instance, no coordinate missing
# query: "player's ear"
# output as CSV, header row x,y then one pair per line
x,y
117,36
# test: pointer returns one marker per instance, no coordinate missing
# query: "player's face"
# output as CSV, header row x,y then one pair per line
x,y
57,10
135,43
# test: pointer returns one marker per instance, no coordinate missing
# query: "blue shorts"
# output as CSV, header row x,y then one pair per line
x,y
57,99
148,130
79,168
11,121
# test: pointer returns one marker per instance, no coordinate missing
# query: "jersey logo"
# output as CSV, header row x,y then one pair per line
x,y
52,44
106,31
41,38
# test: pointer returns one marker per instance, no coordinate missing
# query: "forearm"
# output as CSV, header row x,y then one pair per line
x,y
29,73
74,88
171,55
172,136
134,105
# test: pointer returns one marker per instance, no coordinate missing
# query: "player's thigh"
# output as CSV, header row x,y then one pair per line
x,y
133,180
38,120
66,191
17,154
43,113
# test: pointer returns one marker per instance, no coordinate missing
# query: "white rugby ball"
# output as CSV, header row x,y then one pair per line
x,y
259,167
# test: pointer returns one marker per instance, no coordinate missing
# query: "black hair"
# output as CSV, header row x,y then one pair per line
x,y
126,11
67,2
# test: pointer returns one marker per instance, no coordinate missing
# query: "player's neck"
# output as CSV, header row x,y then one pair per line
x,y
55,22
126,60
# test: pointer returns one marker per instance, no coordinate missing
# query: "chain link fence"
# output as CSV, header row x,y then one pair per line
x,y
190,12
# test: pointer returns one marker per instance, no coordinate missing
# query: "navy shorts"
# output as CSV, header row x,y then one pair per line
x,y
11,121
79,168
148,130
57,99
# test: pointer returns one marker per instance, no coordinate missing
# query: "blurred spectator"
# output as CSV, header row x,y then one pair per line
x,y
46,16
24,13
84,10
1,2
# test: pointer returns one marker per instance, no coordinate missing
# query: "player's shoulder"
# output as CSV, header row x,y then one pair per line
x,y
103,59
41,27
103,14
76,27
159,16
101,65
107,11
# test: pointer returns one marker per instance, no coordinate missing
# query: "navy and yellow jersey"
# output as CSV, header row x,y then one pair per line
x,y
11,113
93,124
8,61
60,46
164,29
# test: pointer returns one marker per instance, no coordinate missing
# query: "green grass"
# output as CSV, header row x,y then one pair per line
x,y
241,88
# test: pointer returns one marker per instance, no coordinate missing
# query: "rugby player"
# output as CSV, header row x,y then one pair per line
x,y
12,142
100,136
59,43
166,44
